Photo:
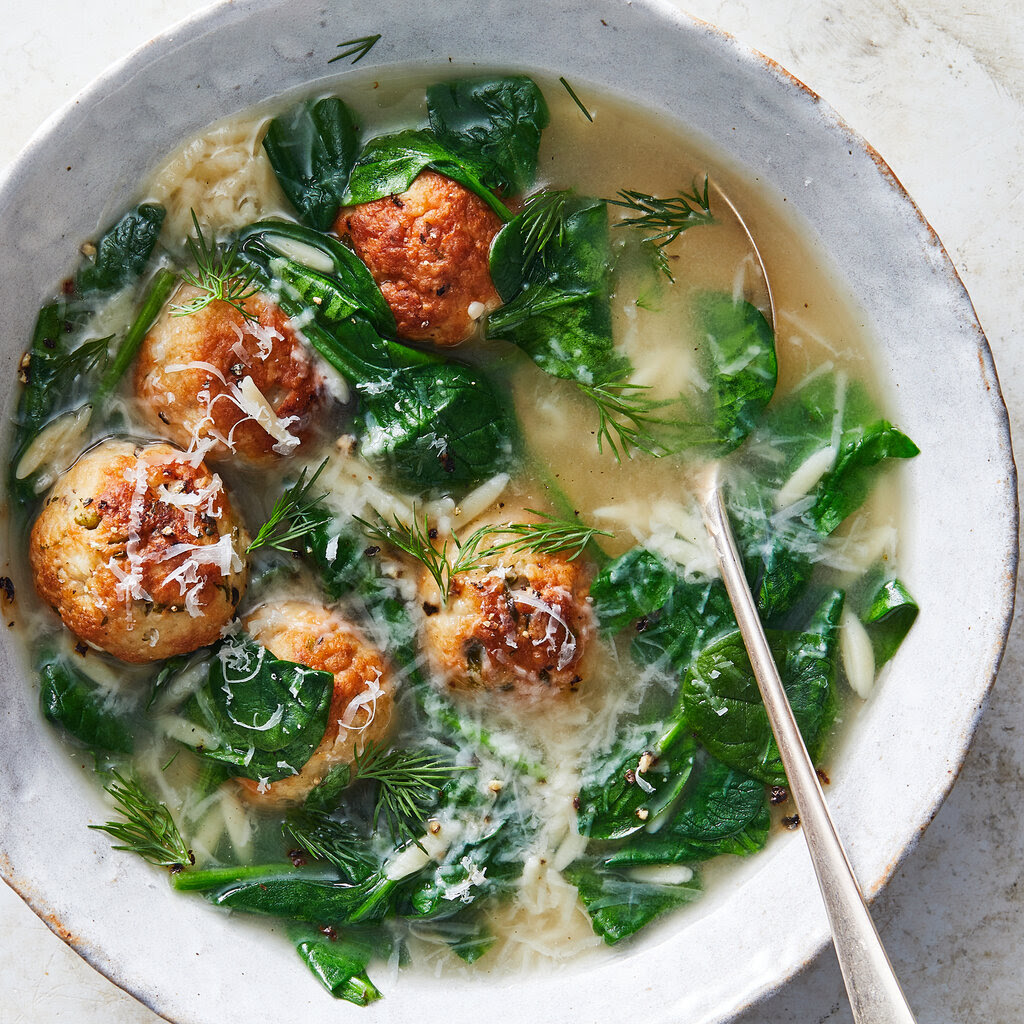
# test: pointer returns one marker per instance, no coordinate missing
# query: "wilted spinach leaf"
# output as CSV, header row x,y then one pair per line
x,y
889,614
722,811
723,705
73,701
312,148
268,714
559,312
619,906
740,367
630,588
338,963
495,123
389,164
829,417
122,251
673,618
348,289
635,782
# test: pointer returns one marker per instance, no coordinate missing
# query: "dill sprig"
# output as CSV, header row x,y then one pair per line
x,y
219,275
550,536
626,417
543,224
82,360
302,513
664,220
356,48
417,539
579,103
326,838
408,783
150,830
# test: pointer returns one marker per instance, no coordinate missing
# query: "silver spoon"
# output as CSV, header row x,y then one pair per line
x,y
871,984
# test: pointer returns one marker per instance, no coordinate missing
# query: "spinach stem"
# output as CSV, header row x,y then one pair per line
x,y
159,292
214,878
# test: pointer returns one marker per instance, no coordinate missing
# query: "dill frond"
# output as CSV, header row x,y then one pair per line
x,y
408,783
417,541
149,830
550,535
356,48
664,220
626,418
543,224
326,838
302,513
219,275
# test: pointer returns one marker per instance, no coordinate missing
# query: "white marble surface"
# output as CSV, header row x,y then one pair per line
x,y
937,86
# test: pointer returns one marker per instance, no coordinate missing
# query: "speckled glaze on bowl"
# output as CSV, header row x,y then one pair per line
x,y
192,964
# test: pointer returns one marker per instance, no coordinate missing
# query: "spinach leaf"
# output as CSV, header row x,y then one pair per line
x,y
122,251
722,703
635,783
312,148
828,415
70,699
44,372
889,614
484,860
630,588
673,618
316,901
844,488
740,367
346,290
441,424
389,164
722,811
268,714
468,936
559,312
496,123
619,906
339,963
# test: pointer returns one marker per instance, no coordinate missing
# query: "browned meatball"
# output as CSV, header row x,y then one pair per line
x,y
139,551
428,249
217,381
361,707
520,624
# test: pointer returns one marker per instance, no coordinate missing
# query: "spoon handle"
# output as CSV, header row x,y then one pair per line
x,y
874,992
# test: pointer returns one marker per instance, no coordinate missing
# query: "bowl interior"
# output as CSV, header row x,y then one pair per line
x,y
899,758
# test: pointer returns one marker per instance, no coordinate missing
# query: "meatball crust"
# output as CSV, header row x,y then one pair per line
x,y
428,249
139,551
361,706
520,624
218,381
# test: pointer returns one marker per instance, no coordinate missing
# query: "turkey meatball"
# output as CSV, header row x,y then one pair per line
x,y
519,624
217,381
139,551
428,249
361,706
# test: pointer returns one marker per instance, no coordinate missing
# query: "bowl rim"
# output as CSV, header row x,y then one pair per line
x,y
208,20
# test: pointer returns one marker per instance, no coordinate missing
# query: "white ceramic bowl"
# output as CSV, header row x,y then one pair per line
x,y
195,966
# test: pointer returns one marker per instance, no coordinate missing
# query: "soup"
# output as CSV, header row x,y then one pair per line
x,y
356,462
